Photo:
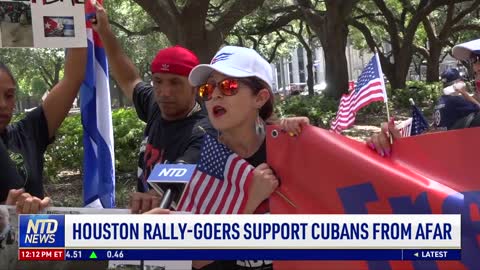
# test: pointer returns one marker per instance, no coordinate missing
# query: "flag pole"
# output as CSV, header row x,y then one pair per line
x,y
285,198
385,88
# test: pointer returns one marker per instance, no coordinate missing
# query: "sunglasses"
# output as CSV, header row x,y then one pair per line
x,y
228,87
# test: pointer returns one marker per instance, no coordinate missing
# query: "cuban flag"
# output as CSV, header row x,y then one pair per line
x,y
59,26
95,106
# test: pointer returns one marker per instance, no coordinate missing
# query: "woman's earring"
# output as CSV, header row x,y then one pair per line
x,y
259,126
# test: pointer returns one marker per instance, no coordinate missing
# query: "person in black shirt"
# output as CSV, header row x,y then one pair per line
x,y
176,122
26,140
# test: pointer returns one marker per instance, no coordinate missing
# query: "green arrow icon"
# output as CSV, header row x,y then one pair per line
x,y
93,255
415,254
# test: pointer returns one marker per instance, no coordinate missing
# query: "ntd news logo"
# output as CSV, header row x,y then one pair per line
x,y
41,231
172,173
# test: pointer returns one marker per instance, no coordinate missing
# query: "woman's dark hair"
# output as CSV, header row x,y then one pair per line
x,y
5,69
266,112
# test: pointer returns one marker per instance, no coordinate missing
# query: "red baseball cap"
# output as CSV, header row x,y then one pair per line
x,y
175,60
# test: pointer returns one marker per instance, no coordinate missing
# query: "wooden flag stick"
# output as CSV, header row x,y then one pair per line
x,y
388,121
386,97
285,198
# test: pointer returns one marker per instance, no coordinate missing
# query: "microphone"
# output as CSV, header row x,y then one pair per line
x,y
170,180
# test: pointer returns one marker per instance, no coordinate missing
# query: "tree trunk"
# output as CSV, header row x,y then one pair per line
x,y
331,27
121,101
433,61
397,73
187,25
334,43
310,81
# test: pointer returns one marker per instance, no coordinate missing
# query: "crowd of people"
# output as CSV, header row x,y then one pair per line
x,y
230,99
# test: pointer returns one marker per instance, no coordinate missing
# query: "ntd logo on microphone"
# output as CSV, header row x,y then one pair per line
x,y
172,173
41,231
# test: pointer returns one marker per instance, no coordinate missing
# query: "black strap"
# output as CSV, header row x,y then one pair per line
x,y
469,119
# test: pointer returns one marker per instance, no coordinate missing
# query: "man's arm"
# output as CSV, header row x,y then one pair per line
x,y
122,68
60,99
467,97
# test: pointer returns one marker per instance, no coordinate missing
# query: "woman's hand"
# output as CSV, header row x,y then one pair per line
x,y
381,141
263,185
26,203
293,125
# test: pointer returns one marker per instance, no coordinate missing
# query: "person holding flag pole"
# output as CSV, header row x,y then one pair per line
x,y
468,51
28,138
370,87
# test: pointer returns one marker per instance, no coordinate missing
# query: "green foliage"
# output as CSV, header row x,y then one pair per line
x,y
423,94
128,131
319,109
256,31
140,47
66,153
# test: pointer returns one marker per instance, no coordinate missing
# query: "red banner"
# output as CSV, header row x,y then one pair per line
x,y
325,173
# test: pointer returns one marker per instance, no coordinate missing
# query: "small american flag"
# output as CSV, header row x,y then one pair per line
x,y
369,88
405,127
415,125
419,123
220,183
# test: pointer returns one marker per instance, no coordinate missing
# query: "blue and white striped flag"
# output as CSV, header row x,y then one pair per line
x,y
95,106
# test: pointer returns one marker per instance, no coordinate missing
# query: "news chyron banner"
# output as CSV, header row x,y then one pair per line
x,y
325,173
239,237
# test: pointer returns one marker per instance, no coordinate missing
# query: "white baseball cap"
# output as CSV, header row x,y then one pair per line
x,y
237,62
465,50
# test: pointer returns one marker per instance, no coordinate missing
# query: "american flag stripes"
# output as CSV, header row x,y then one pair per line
x,y
220,183
405,127
370,87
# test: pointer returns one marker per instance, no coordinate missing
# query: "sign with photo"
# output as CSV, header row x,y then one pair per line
x,y
42,24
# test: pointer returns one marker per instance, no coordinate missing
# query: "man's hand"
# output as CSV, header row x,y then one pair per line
x,y
143,202
100,22
158,211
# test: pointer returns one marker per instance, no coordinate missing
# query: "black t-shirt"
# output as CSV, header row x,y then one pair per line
x,y
167,141
256,159
26,142
10,177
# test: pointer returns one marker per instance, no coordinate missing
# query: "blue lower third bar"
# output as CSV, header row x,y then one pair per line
x,y
256,254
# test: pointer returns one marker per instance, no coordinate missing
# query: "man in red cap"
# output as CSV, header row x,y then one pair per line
x,y
176,122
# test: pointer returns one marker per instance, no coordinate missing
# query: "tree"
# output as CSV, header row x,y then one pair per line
x,y
400,19
130,23
200,25
43,64
306,43
439,26
261,29
330,24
